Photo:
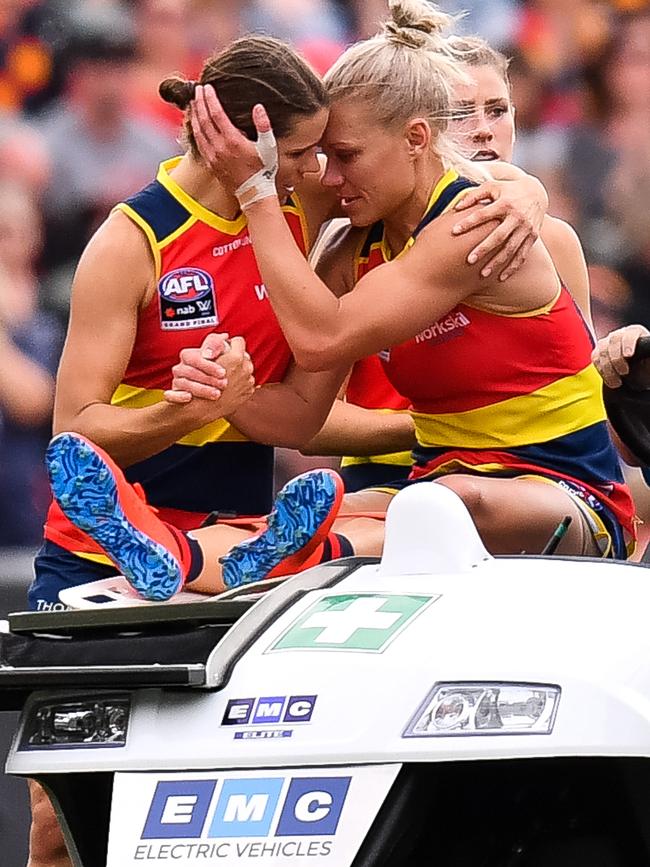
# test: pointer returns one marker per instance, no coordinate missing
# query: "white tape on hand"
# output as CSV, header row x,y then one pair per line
x,y
261,185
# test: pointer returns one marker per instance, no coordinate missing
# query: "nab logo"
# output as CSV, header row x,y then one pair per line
x,y
269,709
311,806
186,284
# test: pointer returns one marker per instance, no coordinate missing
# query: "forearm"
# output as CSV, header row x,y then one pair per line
x,y
278,415
131,434
302,302
356,431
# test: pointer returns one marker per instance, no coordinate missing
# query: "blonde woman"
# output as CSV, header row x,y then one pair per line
x,y
506,404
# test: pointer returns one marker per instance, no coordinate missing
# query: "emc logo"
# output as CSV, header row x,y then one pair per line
x,y
310,806
269,709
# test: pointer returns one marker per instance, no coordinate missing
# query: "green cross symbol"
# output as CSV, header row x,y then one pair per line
x,y
353,621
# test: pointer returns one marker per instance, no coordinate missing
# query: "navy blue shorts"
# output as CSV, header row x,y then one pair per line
x,y
356,477
55,569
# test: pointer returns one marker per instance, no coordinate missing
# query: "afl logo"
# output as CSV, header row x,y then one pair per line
x,y
187,300
186,284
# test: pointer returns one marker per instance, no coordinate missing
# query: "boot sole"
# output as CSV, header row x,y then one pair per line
x,y
87,492
300,510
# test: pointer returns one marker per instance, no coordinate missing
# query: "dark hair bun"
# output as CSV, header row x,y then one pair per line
x,y
178,91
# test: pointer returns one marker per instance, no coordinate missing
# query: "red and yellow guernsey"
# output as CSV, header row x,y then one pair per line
x,y
207,281
508,394
368,386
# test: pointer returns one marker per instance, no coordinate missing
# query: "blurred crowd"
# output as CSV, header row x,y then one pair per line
x,y
82,126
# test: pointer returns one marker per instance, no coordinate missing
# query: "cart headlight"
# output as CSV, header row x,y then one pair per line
x,y
79,722
486,708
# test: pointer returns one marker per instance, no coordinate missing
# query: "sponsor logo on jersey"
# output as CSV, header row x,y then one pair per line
x,y
231,247
444,329
187,299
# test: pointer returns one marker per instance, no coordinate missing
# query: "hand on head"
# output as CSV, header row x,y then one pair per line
x,y
246,168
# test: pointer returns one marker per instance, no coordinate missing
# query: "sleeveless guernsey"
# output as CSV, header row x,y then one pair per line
x,y
207,280
509,394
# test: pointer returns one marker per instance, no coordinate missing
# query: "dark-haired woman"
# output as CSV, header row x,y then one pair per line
x,y
171,269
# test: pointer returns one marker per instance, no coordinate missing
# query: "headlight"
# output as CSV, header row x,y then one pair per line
x,y
486,708
79,722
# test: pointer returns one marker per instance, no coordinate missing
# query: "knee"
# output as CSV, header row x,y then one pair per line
x,y
468,489
46,844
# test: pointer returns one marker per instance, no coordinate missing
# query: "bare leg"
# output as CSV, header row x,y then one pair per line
x,y
514,515
365,534
46,844
215,542
511,515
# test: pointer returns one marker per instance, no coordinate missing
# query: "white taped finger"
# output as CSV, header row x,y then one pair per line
x,y
267,149
261,185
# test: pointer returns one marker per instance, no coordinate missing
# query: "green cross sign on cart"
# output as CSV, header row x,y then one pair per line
x,y
352,621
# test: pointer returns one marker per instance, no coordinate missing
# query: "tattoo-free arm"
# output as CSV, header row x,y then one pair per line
x,y
357,431
110,285
290,412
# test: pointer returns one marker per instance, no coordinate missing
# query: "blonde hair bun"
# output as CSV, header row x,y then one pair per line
x,y
413,22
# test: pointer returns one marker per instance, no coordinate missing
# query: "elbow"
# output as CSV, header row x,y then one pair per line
x,y
318,356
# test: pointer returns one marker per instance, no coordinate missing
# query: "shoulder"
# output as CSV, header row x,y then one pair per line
x,y
117,260
558,231
437,249
118,236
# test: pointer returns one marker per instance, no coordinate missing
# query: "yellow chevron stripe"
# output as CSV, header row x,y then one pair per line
x,y
398,459
146,228
217,431
228,227
570,404
94,558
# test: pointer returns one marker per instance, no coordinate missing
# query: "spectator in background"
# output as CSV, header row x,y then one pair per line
x,y
316,27
610,299
100,152
213,25
30,343
27,70
163,40
24,158
541,143
628,187
296,21
497,21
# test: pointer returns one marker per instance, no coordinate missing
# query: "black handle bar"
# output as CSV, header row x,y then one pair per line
x,y
628,406
642,349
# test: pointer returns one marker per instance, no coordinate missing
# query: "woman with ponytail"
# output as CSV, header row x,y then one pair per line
x,y
505,401
171,270
171,274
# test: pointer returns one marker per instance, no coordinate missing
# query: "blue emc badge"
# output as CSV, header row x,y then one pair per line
x,y
246,807
269,710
